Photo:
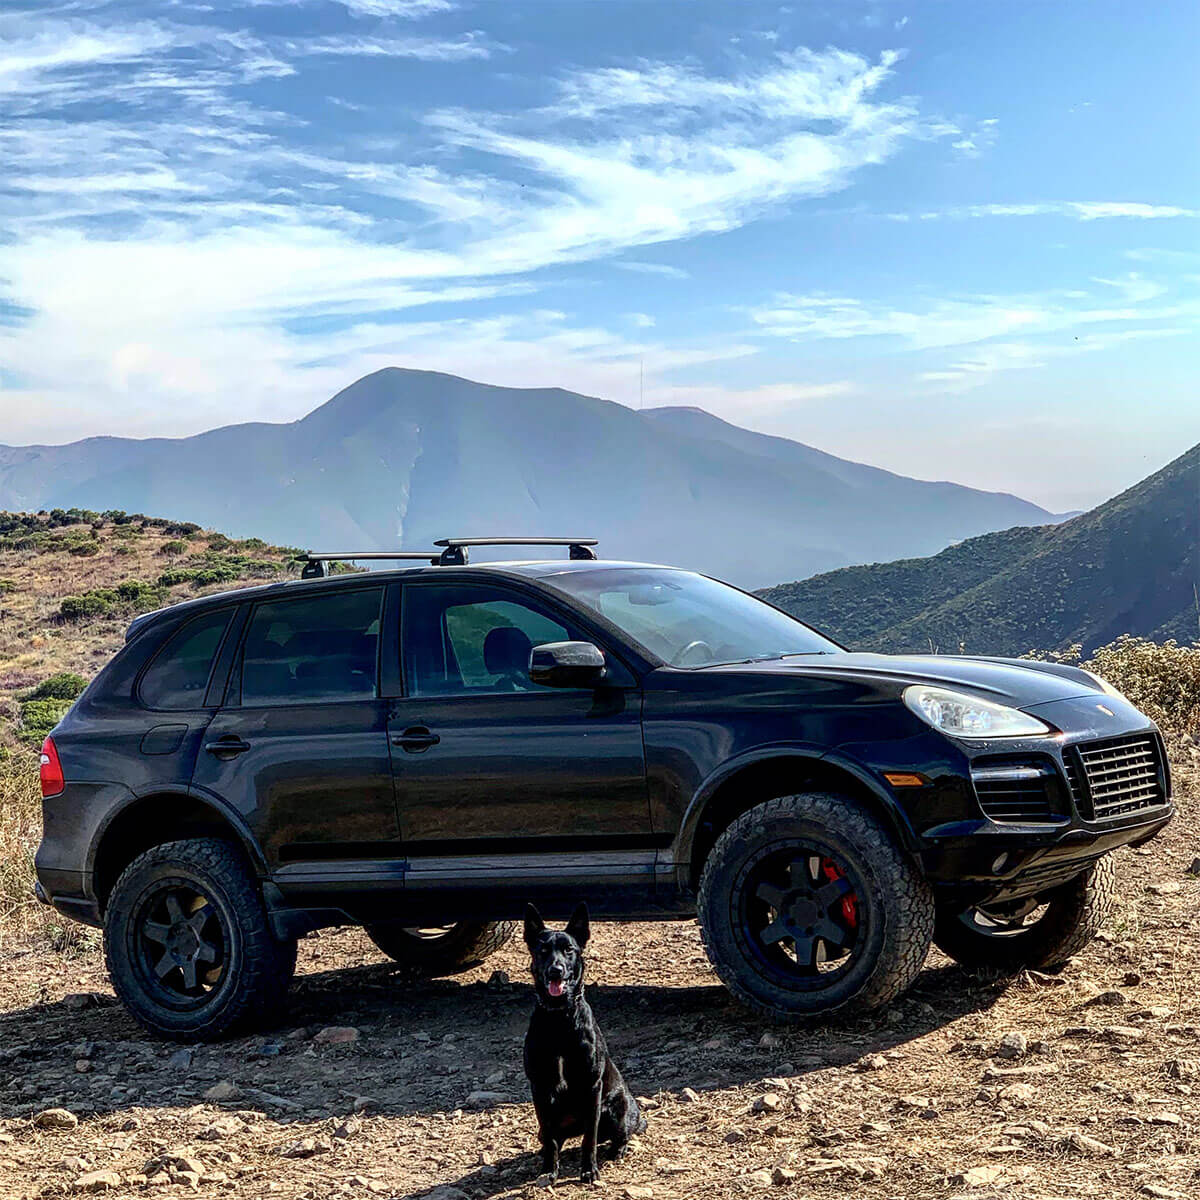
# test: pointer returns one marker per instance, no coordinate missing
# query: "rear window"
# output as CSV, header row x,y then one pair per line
x,y
312,650
178,676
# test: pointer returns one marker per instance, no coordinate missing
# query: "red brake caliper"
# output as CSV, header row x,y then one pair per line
x,y
833,872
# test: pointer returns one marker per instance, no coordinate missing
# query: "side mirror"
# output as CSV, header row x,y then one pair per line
x,y
567,665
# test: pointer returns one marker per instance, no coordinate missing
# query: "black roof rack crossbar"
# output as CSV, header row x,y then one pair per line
x,y
314,562
455,552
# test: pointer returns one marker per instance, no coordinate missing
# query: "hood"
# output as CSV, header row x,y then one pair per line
x,y
1019,683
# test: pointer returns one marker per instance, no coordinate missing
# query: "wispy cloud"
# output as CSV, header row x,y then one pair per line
x,y
406,9
1078,210
649,268
959,321
982,364
460,49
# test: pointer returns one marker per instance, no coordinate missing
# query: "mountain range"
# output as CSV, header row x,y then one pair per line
x,y
402,457
1132,565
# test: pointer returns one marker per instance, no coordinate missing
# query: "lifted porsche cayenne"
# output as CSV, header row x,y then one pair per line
x,y
422,750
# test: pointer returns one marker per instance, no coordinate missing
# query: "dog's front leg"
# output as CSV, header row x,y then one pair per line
x,y
591,1131
549,1153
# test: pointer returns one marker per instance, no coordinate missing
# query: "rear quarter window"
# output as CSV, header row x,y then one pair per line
x,y
177,678
313,650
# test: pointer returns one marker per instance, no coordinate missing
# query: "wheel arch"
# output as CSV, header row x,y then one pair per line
x,y
750,780
163,815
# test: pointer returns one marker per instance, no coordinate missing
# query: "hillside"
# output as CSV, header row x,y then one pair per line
x,y
70,582
403,457
1128,566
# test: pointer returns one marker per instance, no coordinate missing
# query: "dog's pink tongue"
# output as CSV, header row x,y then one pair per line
x,y
554,987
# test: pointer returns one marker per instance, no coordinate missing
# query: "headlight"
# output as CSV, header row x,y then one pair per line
x,y
967,716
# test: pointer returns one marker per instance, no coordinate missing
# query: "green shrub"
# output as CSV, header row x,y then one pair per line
x,y
174,546
85,549
38,717
218,541
139,593
91,604
64,686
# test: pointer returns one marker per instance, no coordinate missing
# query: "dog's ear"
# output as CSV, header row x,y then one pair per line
x,y
534,925
578,926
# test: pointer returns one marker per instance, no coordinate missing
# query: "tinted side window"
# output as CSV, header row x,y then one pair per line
x,y
470,640
178,677
319,648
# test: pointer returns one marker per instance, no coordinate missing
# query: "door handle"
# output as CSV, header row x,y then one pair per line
x,y
227,746
415,739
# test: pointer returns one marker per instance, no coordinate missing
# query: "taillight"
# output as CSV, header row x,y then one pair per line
x,y
51,770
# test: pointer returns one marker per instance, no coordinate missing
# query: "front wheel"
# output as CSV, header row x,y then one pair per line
x,y
1035,933
808,907
188,944
441,949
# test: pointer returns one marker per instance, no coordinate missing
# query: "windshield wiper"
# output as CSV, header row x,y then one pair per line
x,y
774,656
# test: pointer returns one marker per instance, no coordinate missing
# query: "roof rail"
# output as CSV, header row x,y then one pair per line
x,y
314,563
455,553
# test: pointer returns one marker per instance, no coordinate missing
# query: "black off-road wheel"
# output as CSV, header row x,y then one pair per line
x,y
188,944
441,949
1037,933
808,907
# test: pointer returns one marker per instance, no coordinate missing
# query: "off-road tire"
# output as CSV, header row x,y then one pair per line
x,y
1076,912
896,909
460,948
257,969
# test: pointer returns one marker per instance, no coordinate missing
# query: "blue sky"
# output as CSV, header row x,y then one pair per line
x,y
958,240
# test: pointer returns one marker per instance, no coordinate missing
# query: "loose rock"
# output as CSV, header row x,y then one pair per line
x,y
977,1177
55,1118
97,1181
336,1035
1013,1045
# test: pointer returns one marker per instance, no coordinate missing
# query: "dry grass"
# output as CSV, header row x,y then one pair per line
x,y
37,644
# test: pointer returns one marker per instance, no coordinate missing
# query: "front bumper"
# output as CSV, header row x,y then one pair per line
x,y
985,859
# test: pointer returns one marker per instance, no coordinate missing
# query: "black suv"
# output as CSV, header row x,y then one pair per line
x,y
422,750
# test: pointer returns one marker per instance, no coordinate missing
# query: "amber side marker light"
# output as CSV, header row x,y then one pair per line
x,y
904,779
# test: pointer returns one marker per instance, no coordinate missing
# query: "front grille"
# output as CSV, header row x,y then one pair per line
x,y
1116,776
1014,792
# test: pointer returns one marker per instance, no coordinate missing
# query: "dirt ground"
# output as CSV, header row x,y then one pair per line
x,y
1084,1083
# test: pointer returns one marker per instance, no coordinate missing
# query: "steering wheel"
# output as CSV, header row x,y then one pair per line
x,y
698,644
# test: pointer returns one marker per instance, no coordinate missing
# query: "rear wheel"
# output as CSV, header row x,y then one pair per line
x,y
188,944
441,949
1034,933
808,907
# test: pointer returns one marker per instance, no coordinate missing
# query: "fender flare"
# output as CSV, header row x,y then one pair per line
x,y
800,753
222,810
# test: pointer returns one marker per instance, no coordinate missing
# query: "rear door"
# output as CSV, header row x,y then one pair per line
x,y
300,746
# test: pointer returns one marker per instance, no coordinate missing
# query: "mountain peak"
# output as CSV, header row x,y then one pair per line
x,y
402,456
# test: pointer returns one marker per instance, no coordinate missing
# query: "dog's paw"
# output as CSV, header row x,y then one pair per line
x,y
546,1179
589,1174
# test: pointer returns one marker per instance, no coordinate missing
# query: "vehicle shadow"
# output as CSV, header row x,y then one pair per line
x,y
433,1046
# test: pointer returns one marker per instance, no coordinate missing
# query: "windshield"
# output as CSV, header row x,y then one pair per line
x,y
688,620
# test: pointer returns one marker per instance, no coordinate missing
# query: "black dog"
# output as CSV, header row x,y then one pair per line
x,y
577,1089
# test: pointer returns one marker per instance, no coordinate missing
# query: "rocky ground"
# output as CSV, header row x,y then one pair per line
x,y
1084,1083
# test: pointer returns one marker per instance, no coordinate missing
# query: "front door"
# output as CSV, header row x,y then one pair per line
x,y
300,746
502,779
